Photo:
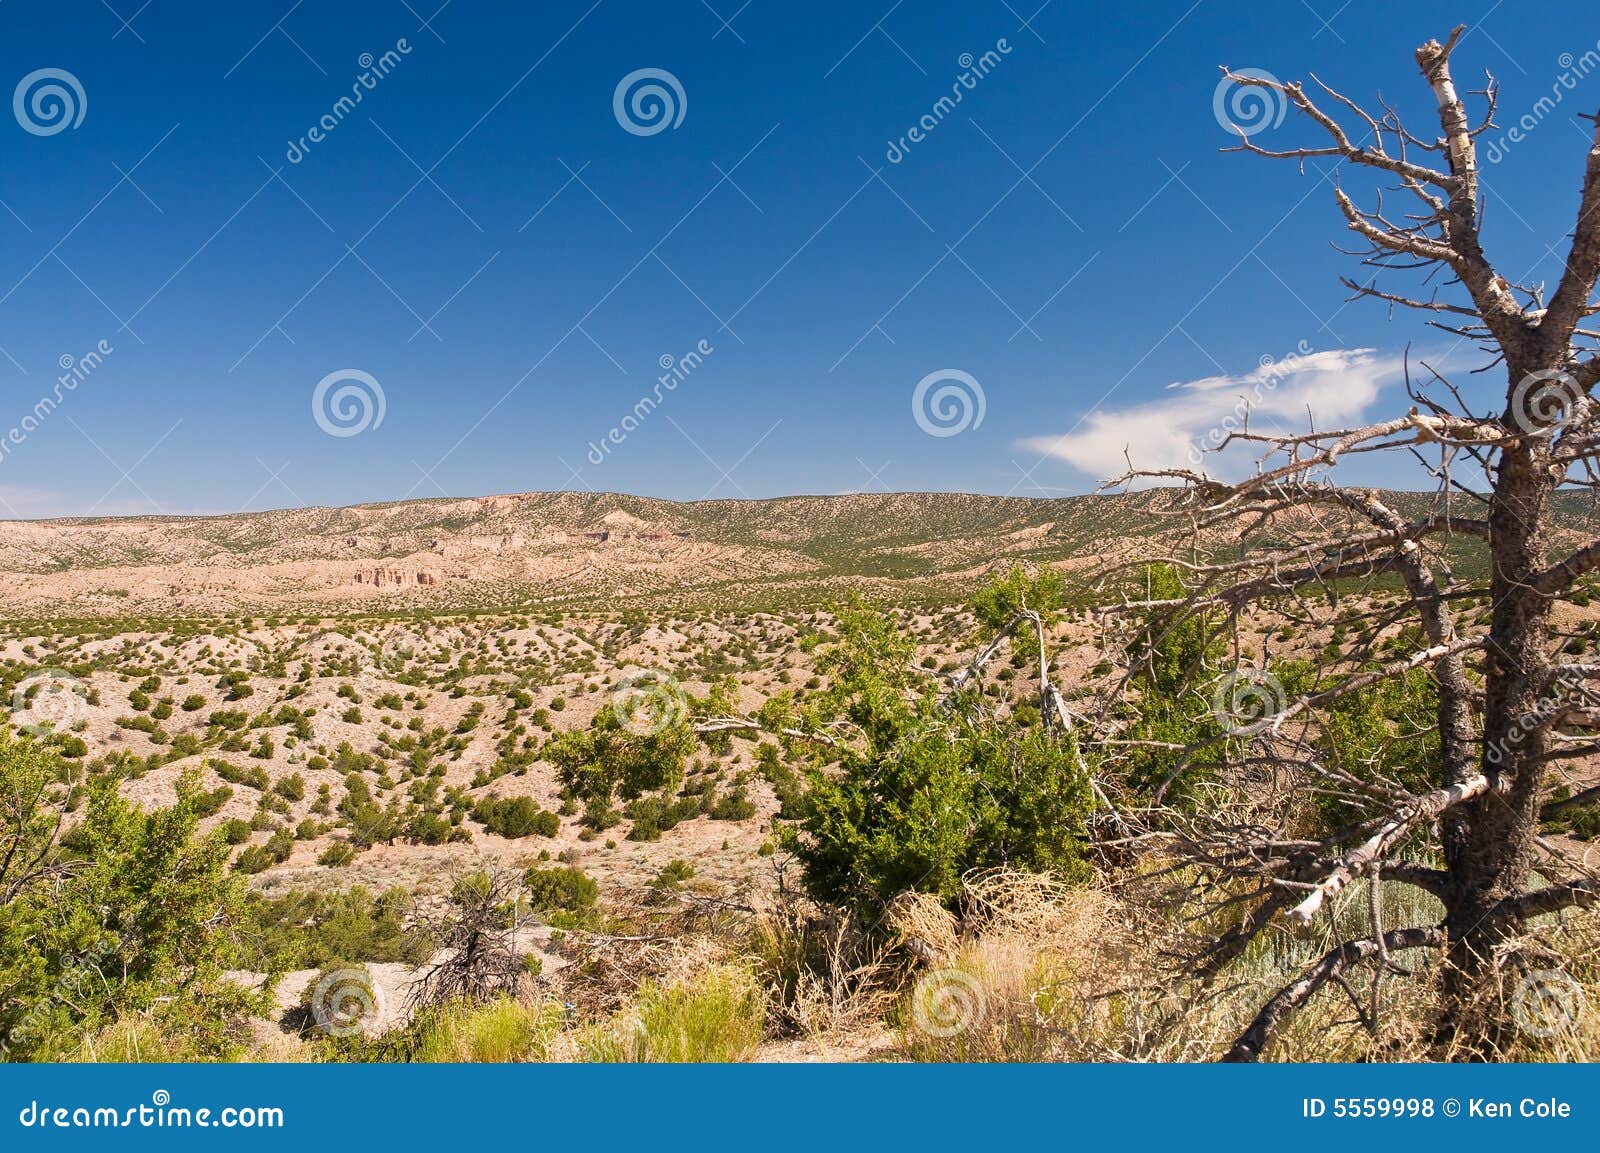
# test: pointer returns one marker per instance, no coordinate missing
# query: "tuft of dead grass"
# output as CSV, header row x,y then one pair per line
x,y
1032,971
828,979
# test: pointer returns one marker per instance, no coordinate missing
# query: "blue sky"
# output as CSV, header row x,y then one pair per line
x,y
483,239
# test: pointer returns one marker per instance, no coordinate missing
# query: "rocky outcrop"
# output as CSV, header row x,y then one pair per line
x,y
607,536
395,578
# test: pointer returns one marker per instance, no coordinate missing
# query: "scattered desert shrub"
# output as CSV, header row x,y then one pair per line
x,y
253,859
207,803
337,855
305,929
255,776
69,745
561,889
184,745
736,805
934,793
516,817
343,999
786,783
138,924
653,816
608,759
673,875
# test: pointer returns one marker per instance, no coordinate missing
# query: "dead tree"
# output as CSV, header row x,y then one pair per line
x,y
1514,711
476,932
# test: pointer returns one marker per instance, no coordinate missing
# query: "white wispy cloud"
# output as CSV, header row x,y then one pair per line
x,y
1333,388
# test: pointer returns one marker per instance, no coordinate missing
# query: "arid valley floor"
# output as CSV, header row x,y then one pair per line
x,y
433,649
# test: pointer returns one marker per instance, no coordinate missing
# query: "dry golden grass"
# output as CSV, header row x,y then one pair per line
x,y
1042,971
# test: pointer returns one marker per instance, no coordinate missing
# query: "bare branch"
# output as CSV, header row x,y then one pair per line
x,y
1572,297
1559,577
1369,854
1331,965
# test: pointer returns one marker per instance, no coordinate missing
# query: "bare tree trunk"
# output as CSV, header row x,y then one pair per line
x,y
1489,843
